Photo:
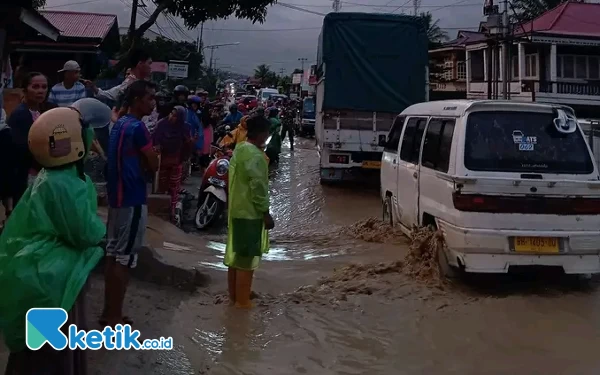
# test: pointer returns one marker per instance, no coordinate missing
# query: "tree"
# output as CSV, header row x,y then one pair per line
x,y
526,10
38,3
162,49
435,34
436,37
263,73
193,12
285,82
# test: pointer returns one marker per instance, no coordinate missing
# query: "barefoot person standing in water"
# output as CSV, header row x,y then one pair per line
x,y
130,149
248,211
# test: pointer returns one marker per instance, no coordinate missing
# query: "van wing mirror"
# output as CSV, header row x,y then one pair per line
x,y
382,141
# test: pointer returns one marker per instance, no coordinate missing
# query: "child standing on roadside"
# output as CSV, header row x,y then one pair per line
x,y
249,217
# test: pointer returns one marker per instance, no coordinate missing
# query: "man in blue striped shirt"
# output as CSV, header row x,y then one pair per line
x,y
70,89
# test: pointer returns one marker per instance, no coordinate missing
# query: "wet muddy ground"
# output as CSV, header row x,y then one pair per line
x,y
335,296
317,315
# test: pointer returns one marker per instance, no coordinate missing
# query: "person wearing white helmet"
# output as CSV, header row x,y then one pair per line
x,y
50,245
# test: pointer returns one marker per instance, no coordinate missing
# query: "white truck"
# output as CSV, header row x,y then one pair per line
x,y
364,81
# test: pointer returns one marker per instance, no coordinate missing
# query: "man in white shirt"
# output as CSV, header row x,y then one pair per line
x,y
70,90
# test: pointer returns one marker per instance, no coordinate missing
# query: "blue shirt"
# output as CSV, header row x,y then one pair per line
x,y
126,183
233,118
65,97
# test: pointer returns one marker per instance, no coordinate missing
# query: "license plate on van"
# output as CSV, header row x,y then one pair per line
x,y
543,245
368,164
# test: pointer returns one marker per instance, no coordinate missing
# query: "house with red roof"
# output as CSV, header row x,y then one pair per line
x,y
554,58
88,38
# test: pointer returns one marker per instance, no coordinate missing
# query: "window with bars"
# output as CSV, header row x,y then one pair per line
x,y
578,67
531,66
461,70
448,70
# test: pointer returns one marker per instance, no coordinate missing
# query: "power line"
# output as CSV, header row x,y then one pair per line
x,y
252,30
69,4
300,9
408,6
401,6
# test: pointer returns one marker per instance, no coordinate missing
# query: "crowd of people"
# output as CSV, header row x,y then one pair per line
x,y
50,242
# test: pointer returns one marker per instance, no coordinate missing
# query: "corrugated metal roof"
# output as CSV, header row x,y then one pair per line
x,y
569,18
79,24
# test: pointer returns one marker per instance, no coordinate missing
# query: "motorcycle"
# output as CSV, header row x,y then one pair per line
x,y
212,195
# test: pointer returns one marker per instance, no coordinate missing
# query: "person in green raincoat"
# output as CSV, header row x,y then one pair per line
x,y
248,211
274,147
50,244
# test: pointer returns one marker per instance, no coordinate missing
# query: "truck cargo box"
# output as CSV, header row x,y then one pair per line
x,y
372,62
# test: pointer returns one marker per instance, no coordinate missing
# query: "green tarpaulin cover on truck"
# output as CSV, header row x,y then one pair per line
x,y
373,62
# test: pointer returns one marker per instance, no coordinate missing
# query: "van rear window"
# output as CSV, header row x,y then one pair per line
x,y
523,142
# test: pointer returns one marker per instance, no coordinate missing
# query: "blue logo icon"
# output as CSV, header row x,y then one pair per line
x,y
42,325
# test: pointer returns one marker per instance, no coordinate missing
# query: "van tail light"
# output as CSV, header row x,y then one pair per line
x,y
526,205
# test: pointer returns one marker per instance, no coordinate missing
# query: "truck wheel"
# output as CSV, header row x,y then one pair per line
x,y
387,211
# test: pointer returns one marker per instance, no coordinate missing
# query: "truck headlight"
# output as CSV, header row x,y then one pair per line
x,y
222,167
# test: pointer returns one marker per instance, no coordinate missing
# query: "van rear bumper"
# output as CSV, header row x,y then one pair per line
x,y
489,250
500,263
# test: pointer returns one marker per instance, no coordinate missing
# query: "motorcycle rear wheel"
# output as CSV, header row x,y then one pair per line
x,y
209,211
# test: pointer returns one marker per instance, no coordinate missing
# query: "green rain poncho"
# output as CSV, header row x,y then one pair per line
x,y
247,238
47,249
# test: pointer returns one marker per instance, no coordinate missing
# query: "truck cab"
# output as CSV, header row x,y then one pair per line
x,y
306,123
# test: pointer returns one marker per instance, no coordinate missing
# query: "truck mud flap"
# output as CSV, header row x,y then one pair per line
x,y
350,174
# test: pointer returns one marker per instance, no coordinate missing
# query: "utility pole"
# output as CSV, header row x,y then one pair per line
x,y
212,52
134,8
302,61
505,54
416,5
281,71
337,5
199,40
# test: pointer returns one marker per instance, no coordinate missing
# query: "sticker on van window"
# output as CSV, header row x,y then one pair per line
x,y
525,143
526,146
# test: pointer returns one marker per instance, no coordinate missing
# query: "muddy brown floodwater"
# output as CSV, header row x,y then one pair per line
x,y
319,313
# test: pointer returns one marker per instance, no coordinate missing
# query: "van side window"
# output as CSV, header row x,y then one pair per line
x,y
438,141
411,141
395,133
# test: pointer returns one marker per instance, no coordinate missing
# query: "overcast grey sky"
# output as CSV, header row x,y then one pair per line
x,y
273,42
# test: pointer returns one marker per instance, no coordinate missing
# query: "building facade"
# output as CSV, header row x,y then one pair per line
x,y
554,59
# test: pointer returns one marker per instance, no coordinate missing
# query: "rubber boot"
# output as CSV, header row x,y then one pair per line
x,y
231,284
243,288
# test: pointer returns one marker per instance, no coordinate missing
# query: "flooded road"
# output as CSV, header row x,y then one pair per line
x,y
374,319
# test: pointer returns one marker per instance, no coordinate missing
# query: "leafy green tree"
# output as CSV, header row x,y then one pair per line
x,y
162,49
285,82
435,34
527,10
262,72
193,12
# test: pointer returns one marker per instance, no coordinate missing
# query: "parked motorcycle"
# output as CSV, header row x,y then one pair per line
x,y
212,195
